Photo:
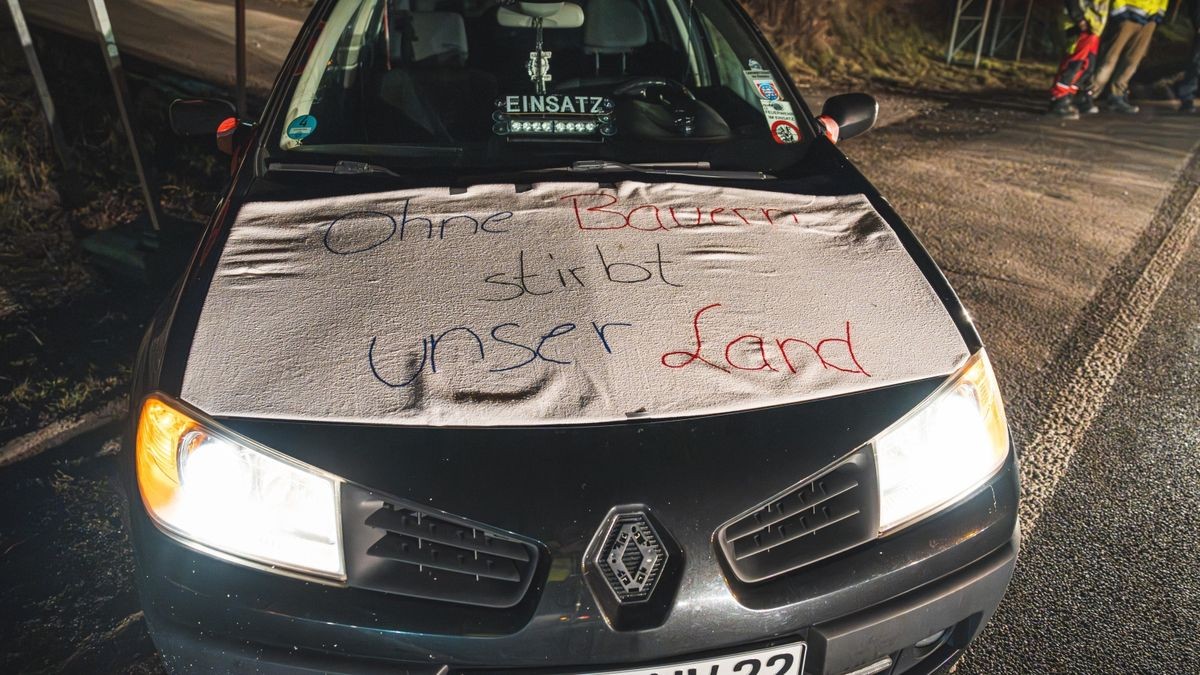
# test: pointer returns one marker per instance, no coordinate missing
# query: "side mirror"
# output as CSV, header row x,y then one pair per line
x,y
199,116
204,116
849,115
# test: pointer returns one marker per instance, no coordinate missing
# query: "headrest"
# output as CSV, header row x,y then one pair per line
x,y
417,5
436,37
614,27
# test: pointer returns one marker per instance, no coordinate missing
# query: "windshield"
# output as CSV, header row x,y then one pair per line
x,y
494,84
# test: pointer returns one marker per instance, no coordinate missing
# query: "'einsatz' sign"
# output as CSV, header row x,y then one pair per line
x,y
555,104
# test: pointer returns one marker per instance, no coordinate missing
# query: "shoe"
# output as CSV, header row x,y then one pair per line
x,y
1188,107
1063,109
1122,105
1086,104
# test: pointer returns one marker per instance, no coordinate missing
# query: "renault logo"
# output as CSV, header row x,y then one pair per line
x,y
633,568
632,557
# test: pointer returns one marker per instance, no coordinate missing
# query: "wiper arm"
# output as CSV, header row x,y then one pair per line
x,y
341,168
695,170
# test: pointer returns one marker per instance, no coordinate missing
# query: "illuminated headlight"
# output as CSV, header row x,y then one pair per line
x,y
944,450
220,492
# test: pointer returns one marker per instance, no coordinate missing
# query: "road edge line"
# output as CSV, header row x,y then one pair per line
x,y
58,433
1048,456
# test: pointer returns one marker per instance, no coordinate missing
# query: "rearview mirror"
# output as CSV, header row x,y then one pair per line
x,y
199,116
853,115
552,14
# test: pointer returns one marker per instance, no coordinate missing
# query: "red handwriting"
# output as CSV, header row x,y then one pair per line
x,y
690,357
603,211
833,353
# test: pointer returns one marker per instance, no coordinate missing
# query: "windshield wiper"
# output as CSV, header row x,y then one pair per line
x,y
341,168
693,169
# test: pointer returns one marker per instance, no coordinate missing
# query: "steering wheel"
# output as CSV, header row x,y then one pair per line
x,y
642,87
672,94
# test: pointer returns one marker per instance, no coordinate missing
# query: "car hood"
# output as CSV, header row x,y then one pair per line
x,y
559,304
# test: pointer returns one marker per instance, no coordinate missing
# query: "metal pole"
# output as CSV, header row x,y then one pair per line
x,y
240,48
996,30
116,74
39,82
958,10
1025,29
987,11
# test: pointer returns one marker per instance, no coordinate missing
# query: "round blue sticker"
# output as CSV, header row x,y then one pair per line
x,y
301,127
767,90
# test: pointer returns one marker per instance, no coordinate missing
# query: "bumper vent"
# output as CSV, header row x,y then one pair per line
x,y
398,548
809,522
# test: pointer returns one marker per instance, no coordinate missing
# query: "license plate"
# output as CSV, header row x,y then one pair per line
x,y
784,660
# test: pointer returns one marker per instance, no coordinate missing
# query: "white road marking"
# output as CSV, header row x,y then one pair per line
x,y
1046,459
57,433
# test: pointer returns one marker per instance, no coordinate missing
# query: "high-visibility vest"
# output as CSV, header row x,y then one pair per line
x,y
1095,12
1141,11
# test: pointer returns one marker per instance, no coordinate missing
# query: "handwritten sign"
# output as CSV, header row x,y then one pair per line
x,y
563,303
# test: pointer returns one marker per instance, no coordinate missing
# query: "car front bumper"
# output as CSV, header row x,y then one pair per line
x,y
960,604
206,615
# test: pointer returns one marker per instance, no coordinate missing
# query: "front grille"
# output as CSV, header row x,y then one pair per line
x,y
809,522
408,550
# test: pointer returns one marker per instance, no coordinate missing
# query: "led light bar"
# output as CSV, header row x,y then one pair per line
x,y
553,127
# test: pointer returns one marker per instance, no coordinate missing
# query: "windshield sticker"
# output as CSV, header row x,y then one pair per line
x,y
753,64
764,84
767,89
562,303
785,132
302,127
782,121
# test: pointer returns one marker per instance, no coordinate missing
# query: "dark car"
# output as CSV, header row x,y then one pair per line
x,y
559,337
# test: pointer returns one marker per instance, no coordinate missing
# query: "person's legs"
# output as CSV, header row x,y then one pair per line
x,y
1117,38
1191,80
1071,71
1138,46
1084,97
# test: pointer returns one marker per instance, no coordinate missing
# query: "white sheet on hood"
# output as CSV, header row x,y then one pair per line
x,y
563,303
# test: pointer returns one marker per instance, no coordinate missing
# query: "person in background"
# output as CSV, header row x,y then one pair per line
x,y
1124,51
1086,19
1191,79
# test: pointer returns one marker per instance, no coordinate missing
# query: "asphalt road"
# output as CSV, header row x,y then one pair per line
x,y
193,37
1072,244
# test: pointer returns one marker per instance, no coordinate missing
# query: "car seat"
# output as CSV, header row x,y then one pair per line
x,y
436,96
613,28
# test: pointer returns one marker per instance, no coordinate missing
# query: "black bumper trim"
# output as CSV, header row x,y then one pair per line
x,y
970,595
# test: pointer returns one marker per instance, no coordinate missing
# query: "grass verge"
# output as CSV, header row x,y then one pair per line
x,y
67,334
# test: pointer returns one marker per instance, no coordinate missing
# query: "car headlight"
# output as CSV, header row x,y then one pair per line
x,y
944,450
216,490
